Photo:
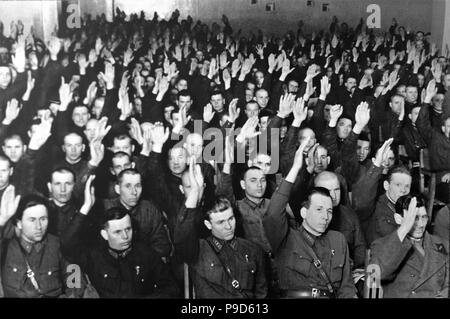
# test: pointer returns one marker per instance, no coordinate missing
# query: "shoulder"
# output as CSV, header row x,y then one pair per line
x,y
439,244
336,238
248,247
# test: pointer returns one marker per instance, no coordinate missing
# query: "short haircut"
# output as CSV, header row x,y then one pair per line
x,y
398,169
217,92
364,137
403,202
114,213
72,133
252,102
80,105
128,171
29,201
316,191
251,168
13,137
5,159
120,155
121,137
63,170
220,204
184,93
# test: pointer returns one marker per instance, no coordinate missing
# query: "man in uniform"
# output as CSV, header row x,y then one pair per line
x,y
312,261
222,265
413,263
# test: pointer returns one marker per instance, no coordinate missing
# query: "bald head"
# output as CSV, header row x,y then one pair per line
x,y
330,181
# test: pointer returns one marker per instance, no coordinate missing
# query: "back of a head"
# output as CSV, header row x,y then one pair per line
x,y
403,202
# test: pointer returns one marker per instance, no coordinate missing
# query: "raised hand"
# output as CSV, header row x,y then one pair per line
x,y
335,113
19,58
223,60
272,62
109,75
235,67
12,111
286,105
248,131
362,116
65,95
89,196
298,159
408,220
246,67
97,151
208,113
286,69
41,134
159,135
184,119
226,78
233,111
300,111
54,46
431,91
101,130
382,153
312,72
8,205
325,88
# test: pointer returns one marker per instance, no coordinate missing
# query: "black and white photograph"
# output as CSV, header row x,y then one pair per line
x,y
244,151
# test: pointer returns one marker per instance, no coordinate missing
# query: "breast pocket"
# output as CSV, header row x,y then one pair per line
x,y
246,275
212,270
300,265
50,280
337,269
14,276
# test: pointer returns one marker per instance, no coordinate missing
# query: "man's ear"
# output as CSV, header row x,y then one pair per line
x,y
132,149
249,163
63,148
133,164
117,189
386,185
242,184
11,171
49,186
443,129
185,146
83,147
4,149
19,224
104,234
111,171
24,148
303,212
409,116
207,224
398,219
328,160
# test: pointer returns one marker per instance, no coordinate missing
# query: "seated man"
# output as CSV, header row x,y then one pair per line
x,y
312,261
122,267
148,221
222,265
413,263
33,266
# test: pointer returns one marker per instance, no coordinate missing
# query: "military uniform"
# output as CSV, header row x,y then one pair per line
x,y
209,257
406,273
47,263
299,272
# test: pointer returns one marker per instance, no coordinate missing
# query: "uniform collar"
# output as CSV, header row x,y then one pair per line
x,y
28,247
254,205
310,238
218,244
116,254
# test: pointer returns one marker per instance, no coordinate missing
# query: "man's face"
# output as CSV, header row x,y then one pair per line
x,y
420,223
168,112
293,87
438,101
343,128
217,102
119,233
91,127
262,98
251,110
73,148
5,173
80,116
182,85
414,114
397,104
122,145
390,161
259,78
446,128
420,79
326,112
264,122
130,190
319,214
194,145
34,223
248,95
447,81
362,150
251,86
13,149
98,107
222,225
321,160
254,183
350,84
184,101
119,164
399,185
304,134
177,160
61,187
263,161
5,77
333,186
411,94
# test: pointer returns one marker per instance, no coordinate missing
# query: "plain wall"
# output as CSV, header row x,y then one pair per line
x,y
244,15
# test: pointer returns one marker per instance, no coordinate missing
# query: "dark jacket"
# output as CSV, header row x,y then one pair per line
x,y
210,279
405,273
295,265
137,273
148,225
382,222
